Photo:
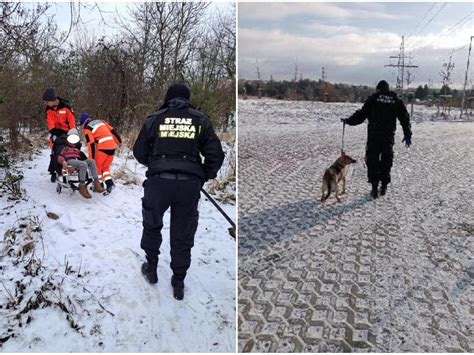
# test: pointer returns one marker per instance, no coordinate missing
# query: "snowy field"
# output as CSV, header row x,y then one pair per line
x,y
390,275
71,280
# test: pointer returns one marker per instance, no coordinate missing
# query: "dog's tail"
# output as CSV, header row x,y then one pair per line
x,y
328,182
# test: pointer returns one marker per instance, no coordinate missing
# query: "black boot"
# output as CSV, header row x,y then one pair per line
x,y
53,177
383,189
149,270
109,185
375,190
177,281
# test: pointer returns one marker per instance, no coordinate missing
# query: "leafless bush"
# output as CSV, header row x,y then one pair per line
x,y
11,184
224,186
24,243
122,79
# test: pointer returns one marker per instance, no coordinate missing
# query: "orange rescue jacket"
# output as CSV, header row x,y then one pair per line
x,y
60,117
99,136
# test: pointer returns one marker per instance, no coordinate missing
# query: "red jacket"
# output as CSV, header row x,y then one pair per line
x,y
60,118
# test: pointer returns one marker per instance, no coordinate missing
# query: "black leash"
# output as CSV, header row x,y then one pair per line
x,y
231,230
343,131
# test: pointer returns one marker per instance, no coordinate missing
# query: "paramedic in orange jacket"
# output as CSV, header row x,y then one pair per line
x,y
59,119
102,140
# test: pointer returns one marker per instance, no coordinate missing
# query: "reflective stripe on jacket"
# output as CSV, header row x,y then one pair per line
x,y
60,117
98,133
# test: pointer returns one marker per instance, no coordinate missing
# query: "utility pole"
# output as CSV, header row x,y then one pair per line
x,y
465,78
259,89
324,86
410,76
258,71
295,78
401,65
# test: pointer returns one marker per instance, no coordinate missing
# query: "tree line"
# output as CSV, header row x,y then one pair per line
x,y
122,78
305,89
318,90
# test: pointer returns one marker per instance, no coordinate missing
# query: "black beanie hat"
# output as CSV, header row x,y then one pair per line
x,y
383,86
177,90
49,95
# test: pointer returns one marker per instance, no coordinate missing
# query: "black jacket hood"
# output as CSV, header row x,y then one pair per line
x,y
178,103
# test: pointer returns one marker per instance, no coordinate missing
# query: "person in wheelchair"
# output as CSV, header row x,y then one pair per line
x,y
71,156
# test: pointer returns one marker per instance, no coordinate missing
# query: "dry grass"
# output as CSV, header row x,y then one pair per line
x,y
227,137
30,285
127,176
24,242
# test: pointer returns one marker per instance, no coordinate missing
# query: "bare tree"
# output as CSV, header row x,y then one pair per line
x,y
446,71
164,39
122,78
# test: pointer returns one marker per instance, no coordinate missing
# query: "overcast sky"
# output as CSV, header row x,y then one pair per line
x,y
353,41
103,22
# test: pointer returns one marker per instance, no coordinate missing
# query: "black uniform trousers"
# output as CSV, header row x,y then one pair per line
x,y
379,157
183,198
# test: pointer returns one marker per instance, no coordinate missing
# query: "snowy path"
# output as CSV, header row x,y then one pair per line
x,y
102,236
395,274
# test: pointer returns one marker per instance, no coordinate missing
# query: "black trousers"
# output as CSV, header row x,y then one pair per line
x,y
52,165
183,198
379,158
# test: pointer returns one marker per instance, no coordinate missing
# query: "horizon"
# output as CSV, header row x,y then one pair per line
x,y
353,41
392,87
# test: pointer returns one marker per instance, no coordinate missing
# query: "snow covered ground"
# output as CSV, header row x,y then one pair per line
x,y
71,281
280,111
390,275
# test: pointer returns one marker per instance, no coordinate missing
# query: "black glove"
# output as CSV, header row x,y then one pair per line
x,y
407,141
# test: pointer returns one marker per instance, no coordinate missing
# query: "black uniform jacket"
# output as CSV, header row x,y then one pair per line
x,y
382,111
174,138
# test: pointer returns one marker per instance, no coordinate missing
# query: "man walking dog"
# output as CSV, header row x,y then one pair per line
x,y
382,110
170,144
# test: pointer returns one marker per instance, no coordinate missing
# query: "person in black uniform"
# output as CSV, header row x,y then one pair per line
x,y
169,144
382,110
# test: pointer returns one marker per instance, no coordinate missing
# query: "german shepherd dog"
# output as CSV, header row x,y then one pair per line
x,y
334,174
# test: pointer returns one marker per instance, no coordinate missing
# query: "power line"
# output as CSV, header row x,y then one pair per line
x,y
455,50
459,24
434,16
421,21
426,25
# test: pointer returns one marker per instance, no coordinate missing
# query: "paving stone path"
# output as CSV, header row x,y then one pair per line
x,y
390,275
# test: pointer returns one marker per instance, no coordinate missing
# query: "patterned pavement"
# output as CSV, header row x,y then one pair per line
x,y
390,275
